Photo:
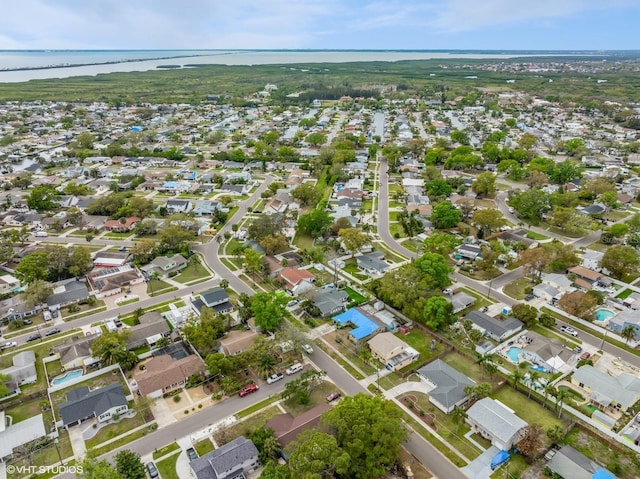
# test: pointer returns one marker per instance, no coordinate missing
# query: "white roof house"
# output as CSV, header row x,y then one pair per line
x,y
20,433
495,422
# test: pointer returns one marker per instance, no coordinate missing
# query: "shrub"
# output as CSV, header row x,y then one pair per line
x,y
176,398
186,411
199,406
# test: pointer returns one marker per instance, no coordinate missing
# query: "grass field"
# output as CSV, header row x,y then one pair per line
x,y
167,467
193,272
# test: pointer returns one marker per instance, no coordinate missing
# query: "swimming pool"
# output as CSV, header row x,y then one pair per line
x,y
603,314
76,373
514,353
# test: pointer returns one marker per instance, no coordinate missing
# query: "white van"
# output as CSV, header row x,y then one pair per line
x,y
294,368
41,234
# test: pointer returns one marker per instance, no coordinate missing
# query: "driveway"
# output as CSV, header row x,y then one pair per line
x,y
77,441
480,468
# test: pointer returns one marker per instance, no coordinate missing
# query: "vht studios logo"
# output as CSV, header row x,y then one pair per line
x,y
20,471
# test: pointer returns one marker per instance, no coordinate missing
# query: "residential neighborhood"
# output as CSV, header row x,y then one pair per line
x,y
218,288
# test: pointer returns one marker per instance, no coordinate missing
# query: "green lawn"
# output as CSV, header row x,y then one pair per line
x,y
467,367
624,294
122,441
155,285
244,427
114,430
318,396
353,270
167,467
193,272
516,289
128,301
421,342
163,451
530,411
303,241
536,236
354,295
203,447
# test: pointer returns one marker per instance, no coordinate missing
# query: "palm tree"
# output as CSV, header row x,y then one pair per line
x,y
491,369
628,333
266,364
517,378
548,390
533,377
561,395
458,415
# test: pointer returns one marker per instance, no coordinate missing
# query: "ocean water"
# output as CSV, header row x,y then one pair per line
x,y
24,65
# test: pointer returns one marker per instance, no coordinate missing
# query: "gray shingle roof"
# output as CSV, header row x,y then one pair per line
x,y
214,296
623,389
82,403
225,458
495,327
449,383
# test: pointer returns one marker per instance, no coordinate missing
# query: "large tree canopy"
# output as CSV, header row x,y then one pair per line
x,y
370,430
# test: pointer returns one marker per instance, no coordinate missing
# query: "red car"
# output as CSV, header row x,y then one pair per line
x,y
333,396
248,389
585,355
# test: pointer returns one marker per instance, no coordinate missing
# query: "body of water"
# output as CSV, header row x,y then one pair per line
x,y
514,354
18,66
76,373
604,314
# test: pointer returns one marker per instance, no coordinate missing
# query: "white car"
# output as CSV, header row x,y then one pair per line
x,y
10,344
274,378
569,330
307,348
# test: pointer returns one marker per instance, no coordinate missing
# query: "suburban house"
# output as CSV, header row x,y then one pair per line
x,y
286,427
591,259
111,259
23,370
215,298
492,327
373,263
163,267
8,283
468,252
557,281
619,392
330,301
178,206
448,385
102,403
230,461
76,352
151,329
110,281
121,226
237,341
19,433
392,351
549,353
547,292
363,326
164,373
585,278
67,291
208,208
627,317
569,463
461,301
495,422
296,280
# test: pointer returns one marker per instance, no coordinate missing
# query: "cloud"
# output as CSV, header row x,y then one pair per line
x,y
465,15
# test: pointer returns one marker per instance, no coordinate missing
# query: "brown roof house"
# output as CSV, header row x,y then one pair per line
x,y
236,341
392,351
151,329
286,427
163,373
120,226
296,280
110,281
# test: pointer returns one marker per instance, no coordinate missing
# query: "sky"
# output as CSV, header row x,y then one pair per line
x,y
321,24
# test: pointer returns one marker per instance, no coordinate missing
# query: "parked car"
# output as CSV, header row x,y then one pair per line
x,y
333,396
10,344
307,348
569,330
33,337
248,389
27,322
529,297
54,313
585,355
152,470
192,454
294,368
577,350
274,378
51,332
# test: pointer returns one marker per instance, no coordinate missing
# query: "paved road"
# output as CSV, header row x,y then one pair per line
x,y
210,250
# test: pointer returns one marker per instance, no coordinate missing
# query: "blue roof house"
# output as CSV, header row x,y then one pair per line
x,y
364,327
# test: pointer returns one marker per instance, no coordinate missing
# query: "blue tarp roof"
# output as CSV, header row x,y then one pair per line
x,y
499,458
364,326
603,474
